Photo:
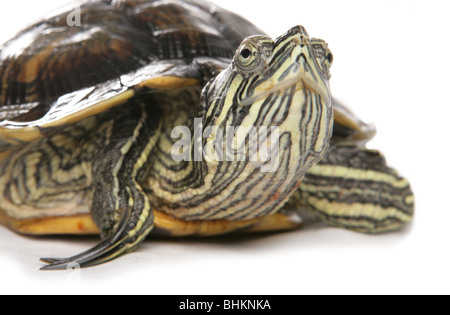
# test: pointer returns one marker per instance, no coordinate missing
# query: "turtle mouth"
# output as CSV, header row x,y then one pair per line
x,y
302,81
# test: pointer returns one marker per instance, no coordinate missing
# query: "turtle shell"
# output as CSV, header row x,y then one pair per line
x,y
348,127
53,73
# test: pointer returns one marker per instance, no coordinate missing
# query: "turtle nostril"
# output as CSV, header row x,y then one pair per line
x,y
296,40
298,30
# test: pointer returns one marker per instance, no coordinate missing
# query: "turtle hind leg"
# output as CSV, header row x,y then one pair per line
x,y
120,208
353,188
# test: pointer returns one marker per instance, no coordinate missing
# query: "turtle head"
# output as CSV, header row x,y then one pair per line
x,y
279,87
261,124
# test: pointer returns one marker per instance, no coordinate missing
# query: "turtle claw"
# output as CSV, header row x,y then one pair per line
x,y
103,252
50,260
99,254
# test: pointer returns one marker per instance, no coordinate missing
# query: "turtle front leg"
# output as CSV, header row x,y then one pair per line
x,y
120,208
353,188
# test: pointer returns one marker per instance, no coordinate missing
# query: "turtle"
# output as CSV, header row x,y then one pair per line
x,y
179,118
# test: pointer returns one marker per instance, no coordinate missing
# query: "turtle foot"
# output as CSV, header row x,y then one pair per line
x,y
108,249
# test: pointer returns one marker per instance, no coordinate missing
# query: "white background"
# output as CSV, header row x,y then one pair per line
x,y
391,66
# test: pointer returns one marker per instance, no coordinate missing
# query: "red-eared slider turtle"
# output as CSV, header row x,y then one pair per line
x,y
179,118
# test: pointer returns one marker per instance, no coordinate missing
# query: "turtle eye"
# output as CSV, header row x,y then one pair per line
x,y
253,55
248,55
245,53
323,55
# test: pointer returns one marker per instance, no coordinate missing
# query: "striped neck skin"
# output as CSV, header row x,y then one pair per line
x,y
263,122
